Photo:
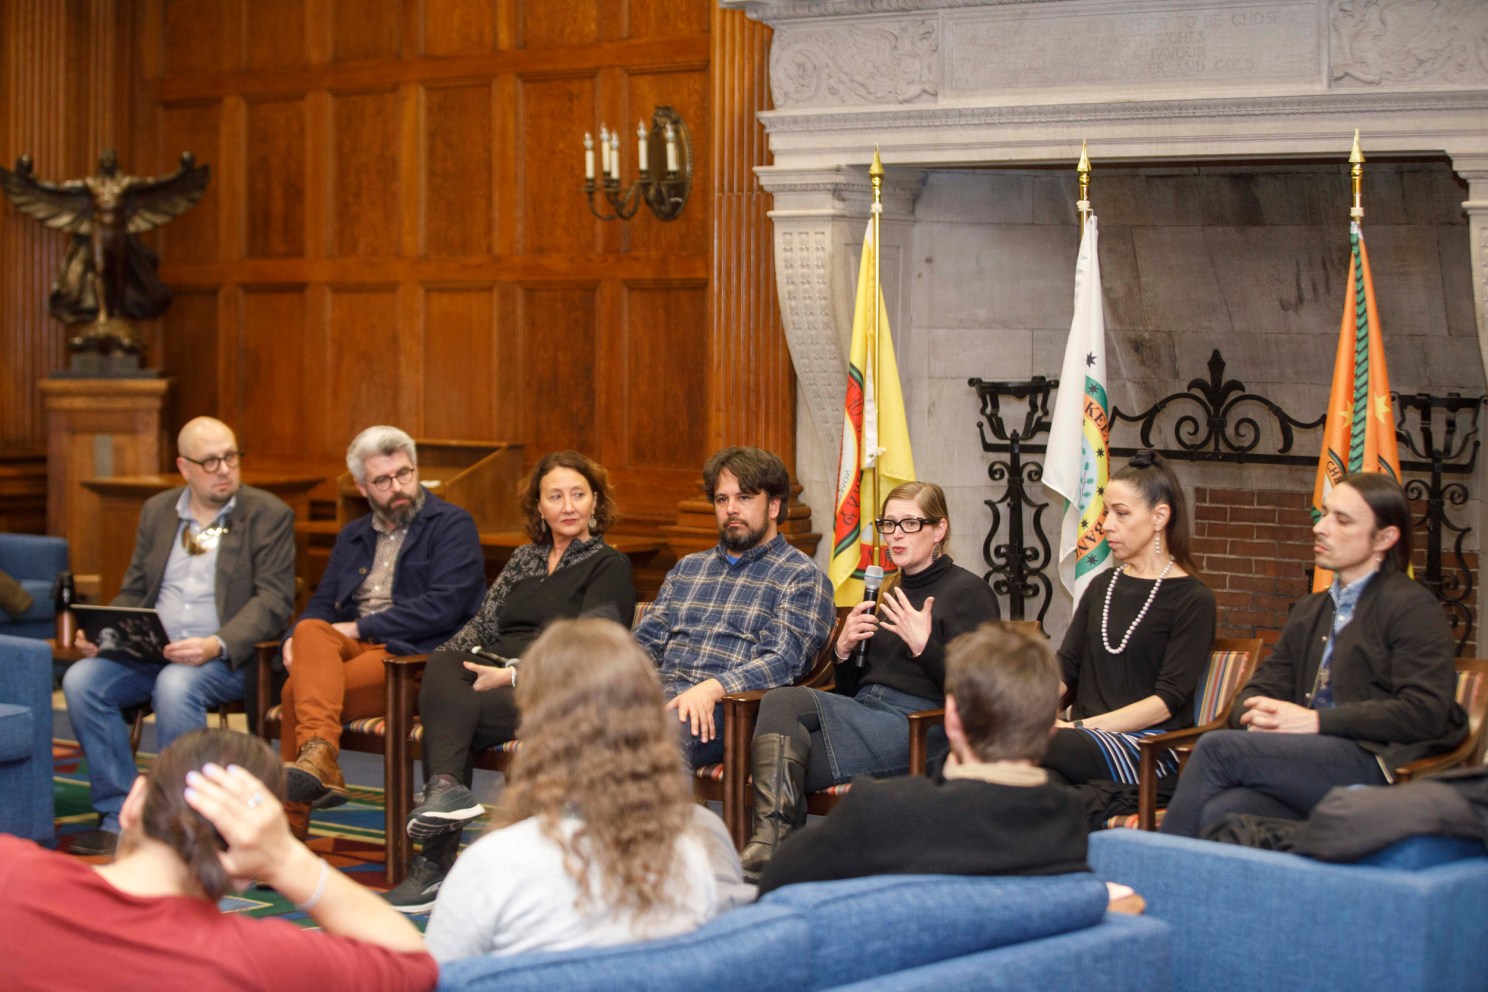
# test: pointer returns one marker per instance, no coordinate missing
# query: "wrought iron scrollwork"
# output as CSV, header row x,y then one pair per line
x,y
1457,417
1217,420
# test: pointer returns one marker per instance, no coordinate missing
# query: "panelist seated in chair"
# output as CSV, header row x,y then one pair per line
x,y
1139,639
204,823
400,580
996,813
806,740
750,613
596,840
466,701
215,559
1360,682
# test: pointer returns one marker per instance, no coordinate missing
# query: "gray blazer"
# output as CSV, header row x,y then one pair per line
x,y
255,567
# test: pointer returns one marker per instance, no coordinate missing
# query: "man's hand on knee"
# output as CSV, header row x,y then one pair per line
x,y
695,708
1277,716
194,651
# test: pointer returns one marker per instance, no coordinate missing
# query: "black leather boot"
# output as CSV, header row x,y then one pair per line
x,y
779,765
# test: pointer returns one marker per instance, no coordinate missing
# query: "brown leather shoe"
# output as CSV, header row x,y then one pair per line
x,y
314,777
298,815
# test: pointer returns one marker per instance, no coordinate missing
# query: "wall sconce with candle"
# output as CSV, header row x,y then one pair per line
x,y
664,161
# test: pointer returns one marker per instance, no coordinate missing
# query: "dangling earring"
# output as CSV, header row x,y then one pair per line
x,y
935,551
593,522
1157,544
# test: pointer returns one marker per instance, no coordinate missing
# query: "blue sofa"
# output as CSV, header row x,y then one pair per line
x,y
26,738
887,932
1409,918
34,562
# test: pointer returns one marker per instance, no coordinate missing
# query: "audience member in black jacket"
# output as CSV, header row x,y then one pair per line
x,y
806,740
996,813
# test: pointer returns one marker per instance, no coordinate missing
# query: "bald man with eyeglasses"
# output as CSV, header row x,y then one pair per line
x,y
215,559
401,580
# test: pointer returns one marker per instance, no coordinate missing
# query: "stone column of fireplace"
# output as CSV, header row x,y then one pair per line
x,y
1474,169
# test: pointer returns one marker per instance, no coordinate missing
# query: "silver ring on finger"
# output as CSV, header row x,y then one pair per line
x,y
255,799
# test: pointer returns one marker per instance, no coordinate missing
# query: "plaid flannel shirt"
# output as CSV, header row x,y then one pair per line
x,y
753,624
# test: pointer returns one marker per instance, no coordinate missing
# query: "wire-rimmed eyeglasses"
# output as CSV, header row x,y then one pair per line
x,y
385,482
212,463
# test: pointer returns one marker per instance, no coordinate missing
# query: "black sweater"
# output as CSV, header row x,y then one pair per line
x,y
912,826
1165,656
963,602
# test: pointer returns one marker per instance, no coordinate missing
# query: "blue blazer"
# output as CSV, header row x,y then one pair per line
x,y
438,582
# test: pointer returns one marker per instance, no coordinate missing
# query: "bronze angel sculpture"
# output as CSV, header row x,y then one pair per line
x,y
108,275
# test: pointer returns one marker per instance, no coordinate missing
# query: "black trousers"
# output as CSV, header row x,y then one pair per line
x,y
1280,775
458,721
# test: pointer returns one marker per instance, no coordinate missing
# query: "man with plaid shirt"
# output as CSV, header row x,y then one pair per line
x,y
750,613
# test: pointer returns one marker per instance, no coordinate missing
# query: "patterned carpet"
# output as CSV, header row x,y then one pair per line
x,y
349,837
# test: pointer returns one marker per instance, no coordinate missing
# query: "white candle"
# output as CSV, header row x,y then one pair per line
x,y
671,148
641,136
604,150
589,156
615,151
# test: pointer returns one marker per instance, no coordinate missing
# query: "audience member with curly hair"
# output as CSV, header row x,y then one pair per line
x,y
596,839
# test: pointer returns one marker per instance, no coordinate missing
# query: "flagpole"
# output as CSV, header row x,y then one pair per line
x,y
875,175
1356,175
1083,168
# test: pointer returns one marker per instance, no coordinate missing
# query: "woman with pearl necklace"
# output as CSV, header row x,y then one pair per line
x,y
1140,635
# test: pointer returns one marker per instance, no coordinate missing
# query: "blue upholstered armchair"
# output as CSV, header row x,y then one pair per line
x,y
25,738
33,561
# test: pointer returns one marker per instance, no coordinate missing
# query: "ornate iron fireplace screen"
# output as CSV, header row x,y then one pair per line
x,y
1215,420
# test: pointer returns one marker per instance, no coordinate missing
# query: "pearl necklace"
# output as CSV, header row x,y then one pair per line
x,y
1106,611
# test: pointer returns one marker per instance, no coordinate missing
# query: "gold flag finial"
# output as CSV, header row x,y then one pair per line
x,y
1083,168
876,169
1356,157
1356,179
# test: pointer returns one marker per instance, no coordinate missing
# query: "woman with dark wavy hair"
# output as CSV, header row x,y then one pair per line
x,y
205,821
466,700
596,840
1140,635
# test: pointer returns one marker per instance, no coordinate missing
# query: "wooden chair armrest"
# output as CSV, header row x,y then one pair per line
x,y
919,734
1431,764
393,662
747,696
264,653
1149,750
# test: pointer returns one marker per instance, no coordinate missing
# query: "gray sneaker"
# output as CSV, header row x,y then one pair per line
x,y
445,808
415,894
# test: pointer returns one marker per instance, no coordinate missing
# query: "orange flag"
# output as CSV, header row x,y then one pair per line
x,y
1360,432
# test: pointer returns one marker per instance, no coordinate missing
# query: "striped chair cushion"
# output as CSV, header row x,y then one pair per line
x,y
835,790
1220,684
710,773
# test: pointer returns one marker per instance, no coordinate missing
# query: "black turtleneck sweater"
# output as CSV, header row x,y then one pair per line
x,y
962,602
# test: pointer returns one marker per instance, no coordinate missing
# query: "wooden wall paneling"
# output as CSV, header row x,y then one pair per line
x,y
458,171
318,152
190,351
408,402
758,406
197,128
365,374
557,378
461,359
274,147
505,166
556,23
275,34
648,19
411,171
553,114
666,343
278,399
459,27
201,37
686,90
366,29
364,191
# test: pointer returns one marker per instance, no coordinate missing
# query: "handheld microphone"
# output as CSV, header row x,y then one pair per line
x,y
495,659
872,582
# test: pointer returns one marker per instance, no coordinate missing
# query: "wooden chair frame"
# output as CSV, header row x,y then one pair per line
x,y
1472,693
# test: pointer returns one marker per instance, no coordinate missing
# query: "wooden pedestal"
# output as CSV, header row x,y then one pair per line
x,y
96,428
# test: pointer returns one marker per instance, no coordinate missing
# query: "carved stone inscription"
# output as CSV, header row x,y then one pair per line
x,y
1028,48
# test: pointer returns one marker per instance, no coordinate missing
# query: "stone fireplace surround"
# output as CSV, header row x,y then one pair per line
x,y
978,108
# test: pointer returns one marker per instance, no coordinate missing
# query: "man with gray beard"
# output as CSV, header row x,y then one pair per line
x,y
401,580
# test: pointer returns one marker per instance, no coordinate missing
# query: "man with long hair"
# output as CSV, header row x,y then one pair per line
x,y
1360,682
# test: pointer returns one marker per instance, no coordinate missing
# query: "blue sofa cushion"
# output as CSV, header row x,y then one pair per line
x,y
756,947
864,927
15,732
1415,853
41,601
1121,954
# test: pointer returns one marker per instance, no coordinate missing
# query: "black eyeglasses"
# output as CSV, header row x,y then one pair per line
x,y
910,525
212,463
385,482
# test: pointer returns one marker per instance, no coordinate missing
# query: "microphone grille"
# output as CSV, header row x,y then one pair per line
x,y
872,577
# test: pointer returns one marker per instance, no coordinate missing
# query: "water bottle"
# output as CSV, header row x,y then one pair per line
x,y
64,594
